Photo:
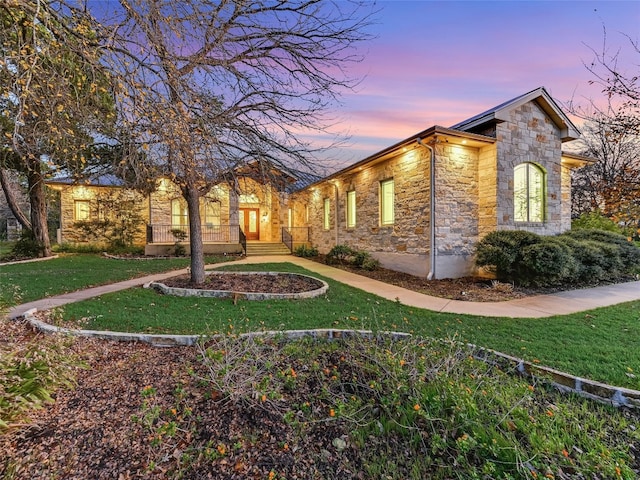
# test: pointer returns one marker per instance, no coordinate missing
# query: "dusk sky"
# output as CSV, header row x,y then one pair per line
x,y
440,62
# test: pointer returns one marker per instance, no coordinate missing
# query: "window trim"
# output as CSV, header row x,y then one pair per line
x,y
528,198
326,214
383,194
350,210
213,220
182,216
87,209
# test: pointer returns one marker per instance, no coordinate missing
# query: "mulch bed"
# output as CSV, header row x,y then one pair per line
x,y
256,282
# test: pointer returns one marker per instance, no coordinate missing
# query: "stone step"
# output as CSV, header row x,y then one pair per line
x,y
267,248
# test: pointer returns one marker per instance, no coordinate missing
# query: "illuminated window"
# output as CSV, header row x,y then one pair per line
x,y
327,214
211,213
351,209
387,213
528,193
81,210
290,218
179,213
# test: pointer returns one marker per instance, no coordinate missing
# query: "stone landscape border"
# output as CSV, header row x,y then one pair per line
x,y
564,382
195,292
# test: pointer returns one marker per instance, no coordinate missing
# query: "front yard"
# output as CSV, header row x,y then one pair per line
x,y
273,410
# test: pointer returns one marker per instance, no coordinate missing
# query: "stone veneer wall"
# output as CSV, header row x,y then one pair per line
x,y
530,136
457,208
404,245
160,204
69,194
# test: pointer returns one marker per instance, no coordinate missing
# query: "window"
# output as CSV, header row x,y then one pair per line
x,y
528,193
306,213
351,209
179,216
387,214
290,218
327,214
81,210
211,213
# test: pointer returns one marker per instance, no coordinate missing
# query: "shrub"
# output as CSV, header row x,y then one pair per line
x,y
546,263
595,221
345,255
27,246
305,251
500,252
627,251
342,254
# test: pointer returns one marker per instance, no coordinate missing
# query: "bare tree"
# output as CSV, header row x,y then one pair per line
x,y
206,86
612,184
54,98
612,135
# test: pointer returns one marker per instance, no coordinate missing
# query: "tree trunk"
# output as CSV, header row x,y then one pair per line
x,y
12,201
39,210
192,196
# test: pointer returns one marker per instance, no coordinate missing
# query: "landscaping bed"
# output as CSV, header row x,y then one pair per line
x,y
235,410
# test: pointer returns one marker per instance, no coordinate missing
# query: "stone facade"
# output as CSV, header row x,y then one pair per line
x,y
530,136
474,189
69,232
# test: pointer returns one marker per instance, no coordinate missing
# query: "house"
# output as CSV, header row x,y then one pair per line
x,y
418,206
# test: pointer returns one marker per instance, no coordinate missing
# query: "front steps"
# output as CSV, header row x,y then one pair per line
x,y
266,248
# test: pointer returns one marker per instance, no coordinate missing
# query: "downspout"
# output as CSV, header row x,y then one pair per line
x,y
432,208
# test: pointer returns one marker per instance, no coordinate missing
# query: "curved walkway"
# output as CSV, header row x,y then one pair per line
x,y
531,307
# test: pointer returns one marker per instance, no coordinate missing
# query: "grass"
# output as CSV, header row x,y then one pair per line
x,y
70,272
394,410
5,247
599,344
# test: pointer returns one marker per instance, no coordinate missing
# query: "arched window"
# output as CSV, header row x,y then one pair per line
x,y
529,191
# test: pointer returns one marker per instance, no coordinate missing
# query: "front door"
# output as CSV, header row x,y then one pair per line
x,y
249,222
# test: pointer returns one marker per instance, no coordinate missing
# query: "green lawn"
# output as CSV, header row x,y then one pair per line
x,y
70,272
600,344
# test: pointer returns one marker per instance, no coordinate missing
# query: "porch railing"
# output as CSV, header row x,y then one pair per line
x,y
295,236
210,233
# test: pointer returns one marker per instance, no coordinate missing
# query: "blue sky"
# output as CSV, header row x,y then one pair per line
x,y
440,62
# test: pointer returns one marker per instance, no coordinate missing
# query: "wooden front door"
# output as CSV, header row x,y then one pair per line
x,y
250,222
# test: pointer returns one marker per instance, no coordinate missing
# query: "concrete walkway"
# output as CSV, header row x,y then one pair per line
x,y
531,307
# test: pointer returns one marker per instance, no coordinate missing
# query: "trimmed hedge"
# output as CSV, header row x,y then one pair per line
x,y
578,256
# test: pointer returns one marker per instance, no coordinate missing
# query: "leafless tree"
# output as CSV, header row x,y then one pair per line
x,y
612,184
205,87
612,136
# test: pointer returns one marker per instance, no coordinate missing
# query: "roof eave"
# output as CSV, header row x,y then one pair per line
x,y
472,140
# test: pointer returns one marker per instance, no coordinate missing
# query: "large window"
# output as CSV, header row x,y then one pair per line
x,y
351,209
179,216
387,208
211,213
528,193
327,214
81,210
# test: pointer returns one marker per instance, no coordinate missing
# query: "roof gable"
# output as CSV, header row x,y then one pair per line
x,y
500,113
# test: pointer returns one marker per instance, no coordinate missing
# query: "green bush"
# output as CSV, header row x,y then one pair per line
x,y
501,251
627,251
27,246
305,251
549,262
342,254
345,255
583,256
595,221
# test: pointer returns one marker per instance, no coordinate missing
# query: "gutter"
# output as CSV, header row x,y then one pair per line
x,y
432,207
